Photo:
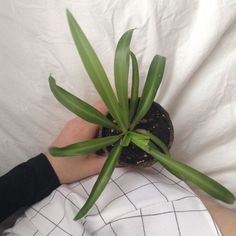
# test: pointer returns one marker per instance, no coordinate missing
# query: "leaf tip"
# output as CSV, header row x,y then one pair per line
x,y
231,199
52,81
53,151
78,216
68,13
70,17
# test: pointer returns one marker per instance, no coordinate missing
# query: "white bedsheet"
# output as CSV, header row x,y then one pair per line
x,y
197,37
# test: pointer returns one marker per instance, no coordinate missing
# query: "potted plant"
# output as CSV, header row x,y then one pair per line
x,y
137,130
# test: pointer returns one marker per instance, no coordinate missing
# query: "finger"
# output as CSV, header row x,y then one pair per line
x,y
100,105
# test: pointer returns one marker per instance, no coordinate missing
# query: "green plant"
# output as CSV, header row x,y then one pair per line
x,y
126,116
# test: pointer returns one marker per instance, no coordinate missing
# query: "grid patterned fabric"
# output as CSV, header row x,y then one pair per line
x,y
140,202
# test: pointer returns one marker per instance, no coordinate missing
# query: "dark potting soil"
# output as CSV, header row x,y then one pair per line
x,y
158,122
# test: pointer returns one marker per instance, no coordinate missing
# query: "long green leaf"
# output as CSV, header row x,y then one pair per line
x,y
95,70
102,180
154,77
121,70
169,168
78,106
83,148
156,140
204,182
157,143
135,86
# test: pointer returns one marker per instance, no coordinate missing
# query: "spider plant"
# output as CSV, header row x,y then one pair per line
x,y
126,114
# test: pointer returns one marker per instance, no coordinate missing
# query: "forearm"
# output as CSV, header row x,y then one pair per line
x,y
225,218
26,184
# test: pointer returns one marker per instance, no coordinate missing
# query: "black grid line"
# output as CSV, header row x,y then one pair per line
x,y
100,216
128,193
113,230
193,210
143,186
122,174
174,181
112,201
162,168
153,214
130,217
50,200
179,199
52,222
84,228
95,205
154,186
156,214
176,219
136,189
35,232
144,233
66,197
52,197
124,193
147,215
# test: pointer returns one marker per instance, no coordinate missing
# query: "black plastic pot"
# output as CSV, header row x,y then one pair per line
x,y
158,122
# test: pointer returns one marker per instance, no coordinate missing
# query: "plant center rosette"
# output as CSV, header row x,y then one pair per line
x,y
158,122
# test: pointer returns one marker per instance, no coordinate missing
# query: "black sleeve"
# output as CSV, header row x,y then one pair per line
x,y
26,184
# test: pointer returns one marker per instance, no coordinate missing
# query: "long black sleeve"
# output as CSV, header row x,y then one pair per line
x,y
26,184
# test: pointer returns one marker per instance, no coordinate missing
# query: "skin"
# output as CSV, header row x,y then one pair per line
x,y
72,169
225,218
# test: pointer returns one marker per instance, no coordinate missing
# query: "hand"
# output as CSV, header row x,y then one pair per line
x,y
71,169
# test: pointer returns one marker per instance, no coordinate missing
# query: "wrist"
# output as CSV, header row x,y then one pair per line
x,y
56,168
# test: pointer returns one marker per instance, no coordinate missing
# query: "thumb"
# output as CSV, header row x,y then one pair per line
x,y
100,106
95,162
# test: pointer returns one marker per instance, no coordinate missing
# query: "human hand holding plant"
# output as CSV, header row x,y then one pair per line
x,y
127,116
71,169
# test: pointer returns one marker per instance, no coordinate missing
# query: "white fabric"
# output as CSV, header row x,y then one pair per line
x,y
146,202
198,37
